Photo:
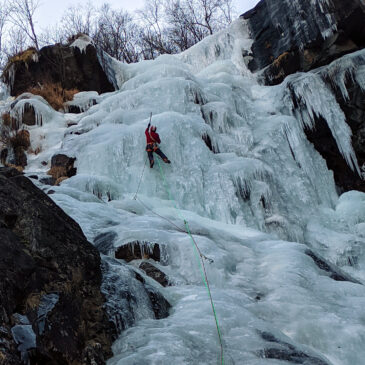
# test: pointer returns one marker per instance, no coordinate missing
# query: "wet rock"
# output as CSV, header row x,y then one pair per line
x,y
154,273
128,295
138,250
51,275
160,305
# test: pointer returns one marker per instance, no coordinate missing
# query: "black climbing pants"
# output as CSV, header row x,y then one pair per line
x,y
152,147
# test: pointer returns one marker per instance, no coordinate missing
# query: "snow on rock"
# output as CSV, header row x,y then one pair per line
x,y
254,203
81,42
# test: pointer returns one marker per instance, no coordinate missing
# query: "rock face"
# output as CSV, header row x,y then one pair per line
x,y
291,36
71,66
51,306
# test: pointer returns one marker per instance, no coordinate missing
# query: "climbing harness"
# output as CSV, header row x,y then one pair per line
x,y
199,255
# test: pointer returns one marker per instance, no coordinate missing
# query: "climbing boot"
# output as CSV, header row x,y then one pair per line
x,y
151,164
166,160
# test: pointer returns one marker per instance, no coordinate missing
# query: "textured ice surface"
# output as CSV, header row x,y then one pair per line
x,y
255,196
83,100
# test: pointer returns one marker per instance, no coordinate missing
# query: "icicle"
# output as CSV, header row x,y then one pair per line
x,y
43,111
83,100
308,97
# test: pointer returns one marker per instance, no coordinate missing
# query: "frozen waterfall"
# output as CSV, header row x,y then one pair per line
x,y
288,252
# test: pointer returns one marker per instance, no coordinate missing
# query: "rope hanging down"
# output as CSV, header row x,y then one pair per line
x,y
200,260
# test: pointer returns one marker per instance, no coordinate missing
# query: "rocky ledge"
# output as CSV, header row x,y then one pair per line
x,y
51,306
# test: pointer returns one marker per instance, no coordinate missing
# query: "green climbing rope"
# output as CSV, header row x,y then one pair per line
x,y
199,256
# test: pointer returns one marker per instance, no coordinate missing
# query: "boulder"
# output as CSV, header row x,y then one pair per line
x,y
74,65
51,306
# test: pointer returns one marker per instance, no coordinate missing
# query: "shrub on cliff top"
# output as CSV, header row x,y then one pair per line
x,y
31,54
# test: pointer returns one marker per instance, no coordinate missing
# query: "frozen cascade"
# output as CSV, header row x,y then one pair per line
x,y
252,202
307,96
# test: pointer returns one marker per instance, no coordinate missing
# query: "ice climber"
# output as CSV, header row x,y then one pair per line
x,y
153,139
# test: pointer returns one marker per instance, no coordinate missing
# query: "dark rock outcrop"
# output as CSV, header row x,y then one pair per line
x,y
65,64
51,306
154,273
299,36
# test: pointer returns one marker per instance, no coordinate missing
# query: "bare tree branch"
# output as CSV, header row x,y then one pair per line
x,y
21,14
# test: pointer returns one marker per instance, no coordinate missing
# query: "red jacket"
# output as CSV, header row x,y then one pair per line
x,y
151,137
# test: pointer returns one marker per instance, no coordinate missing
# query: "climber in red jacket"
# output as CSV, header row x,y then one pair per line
x,y
153,139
